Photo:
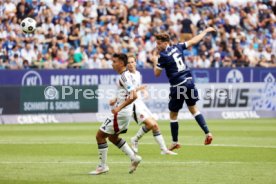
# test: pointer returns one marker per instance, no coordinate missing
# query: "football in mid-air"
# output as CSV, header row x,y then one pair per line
x,y
28,25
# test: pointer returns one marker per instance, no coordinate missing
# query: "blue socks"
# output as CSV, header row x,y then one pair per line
x,y
199,119
201,122
174,130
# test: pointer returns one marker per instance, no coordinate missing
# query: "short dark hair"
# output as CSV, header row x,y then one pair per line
x,y
164,37
121,57
25,61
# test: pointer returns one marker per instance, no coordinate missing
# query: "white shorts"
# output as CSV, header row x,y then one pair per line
x,y
141,112
116,124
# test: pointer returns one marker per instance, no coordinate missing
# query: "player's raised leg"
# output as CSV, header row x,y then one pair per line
x,y
123,145
161,142
140,133
151,124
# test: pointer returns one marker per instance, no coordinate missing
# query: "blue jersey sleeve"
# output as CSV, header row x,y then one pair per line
x,y
183,46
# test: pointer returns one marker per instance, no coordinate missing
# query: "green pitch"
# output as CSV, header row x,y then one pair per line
x,y
243,151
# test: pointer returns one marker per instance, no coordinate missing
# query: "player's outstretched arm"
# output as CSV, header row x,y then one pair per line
x,y
200,36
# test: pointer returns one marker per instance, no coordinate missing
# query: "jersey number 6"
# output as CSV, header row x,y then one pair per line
x,y
179,62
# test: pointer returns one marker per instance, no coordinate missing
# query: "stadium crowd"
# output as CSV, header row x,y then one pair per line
x,y
85,33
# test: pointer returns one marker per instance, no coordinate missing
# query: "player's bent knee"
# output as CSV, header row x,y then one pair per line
x,y
150,123
173,115
113,139
155,127
193,109
101,136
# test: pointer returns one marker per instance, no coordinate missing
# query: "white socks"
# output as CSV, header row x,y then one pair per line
x,y
122,145
103,149
160,140
142,131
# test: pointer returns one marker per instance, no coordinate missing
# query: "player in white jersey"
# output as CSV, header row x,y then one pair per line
x,y
142,114
118,121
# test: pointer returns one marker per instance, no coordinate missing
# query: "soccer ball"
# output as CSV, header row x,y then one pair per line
x,y
28,25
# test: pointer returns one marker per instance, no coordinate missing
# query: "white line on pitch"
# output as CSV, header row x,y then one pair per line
x,y
144,162
234,145
142,143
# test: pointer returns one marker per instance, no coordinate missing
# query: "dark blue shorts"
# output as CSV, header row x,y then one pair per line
x,y
185,92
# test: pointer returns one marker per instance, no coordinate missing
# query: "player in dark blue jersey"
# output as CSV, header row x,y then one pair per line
x,y
182,86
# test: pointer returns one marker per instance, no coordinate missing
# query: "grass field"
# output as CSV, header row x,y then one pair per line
x,y
243,152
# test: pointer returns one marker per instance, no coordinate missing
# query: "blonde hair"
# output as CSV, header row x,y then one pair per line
x,y
132,55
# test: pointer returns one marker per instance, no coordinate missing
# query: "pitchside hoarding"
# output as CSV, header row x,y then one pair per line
x,y
36,95
65,77
217,100
48,99
59,99
237,100
9,99
107,77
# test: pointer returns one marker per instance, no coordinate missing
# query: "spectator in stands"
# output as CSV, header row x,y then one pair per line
x,y
21,13
251,53
217,62
133,17
2,9
27,7
203,62
74,37
67,7
28,54
187,30
9,9
26,64
9,44
233,18
94,62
